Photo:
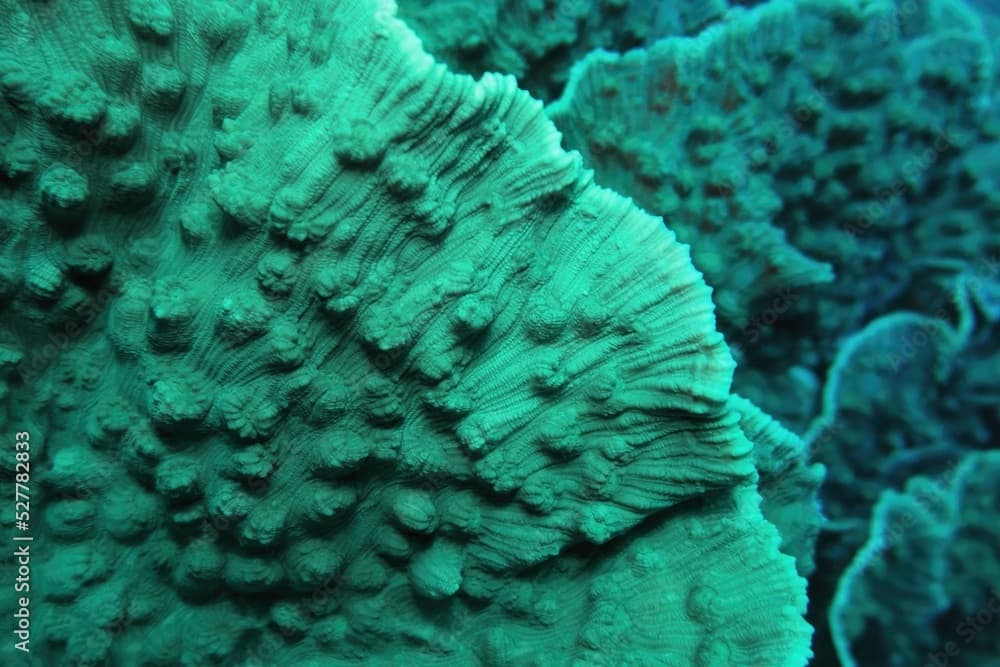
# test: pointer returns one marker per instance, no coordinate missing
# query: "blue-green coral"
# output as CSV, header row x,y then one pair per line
x,y
802,141
344,360
933,548
539,40
331,356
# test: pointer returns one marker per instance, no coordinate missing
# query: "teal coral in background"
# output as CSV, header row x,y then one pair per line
x,y
539,40
934,547
802,141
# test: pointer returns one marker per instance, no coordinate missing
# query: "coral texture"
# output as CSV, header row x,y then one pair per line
x,y
789,483
539,40
347,361
834,167
802,141
934,546
872,436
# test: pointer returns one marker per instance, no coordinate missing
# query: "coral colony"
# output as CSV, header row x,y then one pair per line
x,y
517,333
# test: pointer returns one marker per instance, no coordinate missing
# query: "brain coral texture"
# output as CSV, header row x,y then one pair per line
x,y
344,360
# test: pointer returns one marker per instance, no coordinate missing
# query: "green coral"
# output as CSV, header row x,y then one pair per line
x,y
810,152
904,395
789,482
539,40
479,416
676,126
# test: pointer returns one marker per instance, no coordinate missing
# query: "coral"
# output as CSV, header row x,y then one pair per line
x,y
906,396
798,141
538,41
676,126
931,561
789,482
476,414
833,165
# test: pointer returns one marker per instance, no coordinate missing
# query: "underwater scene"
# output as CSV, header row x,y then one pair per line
x,y
501,333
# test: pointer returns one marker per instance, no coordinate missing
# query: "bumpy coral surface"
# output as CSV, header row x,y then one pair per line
x,y
834,166
676,127
330,356
829,162
539,40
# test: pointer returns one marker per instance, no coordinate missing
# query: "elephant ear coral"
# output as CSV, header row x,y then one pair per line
x,y
352,363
